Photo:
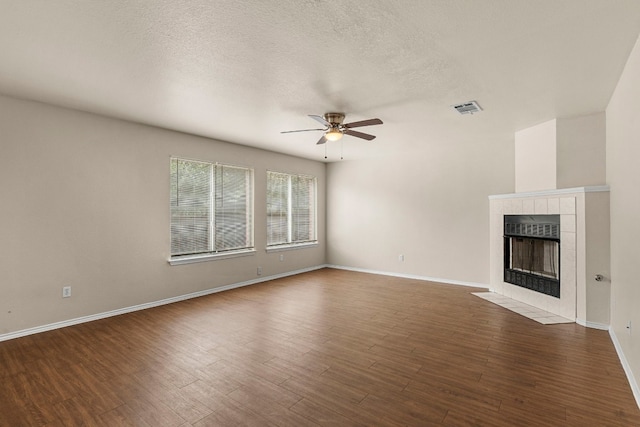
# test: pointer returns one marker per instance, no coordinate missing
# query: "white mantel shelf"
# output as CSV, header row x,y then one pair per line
x,y
557,192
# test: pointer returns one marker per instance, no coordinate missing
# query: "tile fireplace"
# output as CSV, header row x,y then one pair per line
x,y
548,247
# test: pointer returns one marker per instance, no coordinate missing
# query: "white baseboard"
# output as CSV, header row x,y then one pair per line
x,y
411,276
91,317
626,367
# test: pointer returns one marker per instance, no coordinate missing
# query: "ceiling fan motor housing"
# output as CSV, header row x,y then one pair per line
x,y
334,118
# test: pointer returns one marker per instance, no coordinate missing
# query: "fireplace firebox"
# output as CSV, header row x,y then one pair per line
x,y
532,252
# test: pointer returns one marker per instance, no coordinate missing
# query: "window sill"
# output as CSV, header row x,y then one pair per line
x,y
190,259
291,247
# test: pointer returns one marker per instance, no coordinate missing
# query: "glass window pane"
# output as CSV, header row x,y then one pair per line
x,y
291,208
190,207
232,208
277,208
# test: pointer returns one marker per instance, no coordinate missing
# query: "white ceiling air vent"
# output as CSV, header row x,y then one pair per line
x,y
468,107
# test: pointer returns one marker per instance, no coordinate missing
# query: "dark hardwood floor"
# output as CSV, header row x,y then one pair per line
x,y
328,347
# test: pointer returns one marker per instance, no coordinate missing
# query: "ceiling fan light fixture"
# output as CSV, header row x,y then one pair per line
x,y
333,134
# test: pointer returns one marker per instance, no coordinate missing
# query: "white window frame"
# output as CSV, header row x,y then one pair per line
x,y
290,244
214,253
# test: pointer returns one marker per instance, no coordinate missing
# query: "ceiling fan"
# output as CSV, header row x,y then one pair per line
x,y
334,129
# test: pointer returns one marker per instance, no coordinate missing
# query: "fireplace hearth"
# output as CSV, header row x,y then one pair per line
x,y
532,252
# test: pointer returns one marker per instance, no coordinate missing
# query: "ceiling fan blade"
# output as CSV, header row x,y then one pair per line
x,y
322,140
301,130
359,134
363,123
320,119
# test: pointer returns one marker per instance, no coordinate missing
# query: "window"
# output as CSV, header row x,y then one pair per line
x,y
291,209
211,208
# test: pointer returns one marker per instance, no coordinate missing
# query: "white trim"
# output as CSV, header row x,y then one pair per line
x,y
190,259
412,276
545,193
592,325
117,312
291,246
627,368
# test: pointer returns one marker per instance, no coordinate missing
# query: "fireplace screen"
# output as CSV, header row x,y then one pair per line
x,y
535,256
532,252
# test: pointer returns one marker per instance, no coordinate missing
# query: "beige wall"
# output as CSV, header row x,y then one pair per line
x,y
429,206
561,153
85,203
535,157
623,176
581,151
597,257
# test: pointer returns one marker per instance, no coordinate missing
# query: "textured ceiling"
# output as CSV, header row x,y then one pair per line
x,y
242,71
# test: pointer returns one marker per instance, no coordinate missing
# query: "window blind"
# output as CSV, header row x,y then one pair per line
x,y
211,207
232,208
303,208
277,208
291,208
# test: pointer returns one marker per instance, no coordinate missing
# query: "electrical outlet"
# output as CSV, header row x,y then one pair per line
x,y
66,291
259,271
629,327
401,258
281,257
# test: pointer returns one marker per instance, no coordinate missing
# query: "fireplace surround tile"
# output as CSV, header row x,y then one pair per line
x,y
553,206
515,207
530,297
509,303
528,205
528,311
568,205
553,320
540,314
568,223
541,207
568,241
567,263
